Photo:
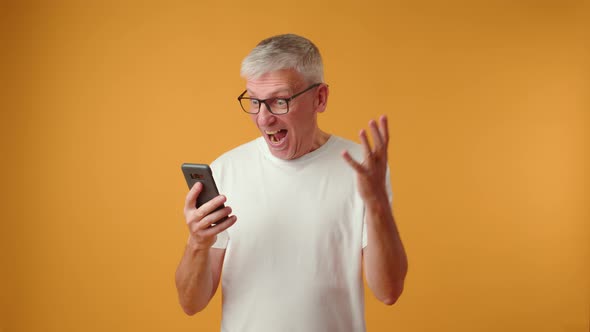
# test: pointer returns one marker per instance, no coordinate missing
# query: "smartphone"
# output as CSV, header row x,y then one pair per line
x,y
194,173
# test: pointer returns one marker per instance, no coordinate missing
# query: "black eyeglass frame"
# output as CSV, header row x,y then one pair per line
x,y
264,101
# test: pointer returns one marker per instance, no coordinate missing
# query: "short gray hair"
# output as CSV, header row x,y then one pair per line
x,y
286,51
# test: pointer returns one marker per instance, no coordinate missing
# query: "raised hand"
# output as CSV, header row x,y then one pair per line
x,y
371,172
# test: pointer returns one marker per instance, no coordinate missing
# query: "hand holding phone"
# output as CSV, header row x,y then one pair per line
x,y
194,173
204,210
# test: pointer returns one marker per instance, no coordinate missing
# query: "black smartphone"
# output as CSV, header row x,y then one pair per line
x,y
194,173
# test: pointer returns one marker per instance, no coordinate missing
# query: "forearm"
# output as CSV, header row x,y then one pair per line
x,y
194,280
384,257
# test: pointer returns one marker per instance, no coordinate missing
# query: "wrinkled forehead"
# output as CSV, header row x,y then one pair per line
x,y
286,79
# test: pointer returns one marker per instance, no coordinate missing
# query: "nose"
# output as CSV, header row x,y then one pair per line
x,y
265,117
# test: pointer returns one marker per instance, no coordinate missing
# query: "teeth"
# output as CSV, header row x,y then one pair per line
x,y
271,135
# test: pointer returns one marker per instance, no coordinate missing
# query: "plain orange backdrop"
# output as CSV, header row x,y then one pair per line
x,y
489,115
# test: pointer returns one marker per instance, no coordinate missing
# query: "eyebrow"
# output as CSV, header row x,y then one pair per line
x,y
274,94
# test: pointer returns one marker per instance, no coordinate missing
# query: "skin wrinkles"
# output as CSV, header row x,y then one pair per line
x,y
303,134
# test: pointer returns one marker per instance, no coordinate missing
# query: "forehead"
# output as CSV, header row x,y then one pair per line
x,y
285,80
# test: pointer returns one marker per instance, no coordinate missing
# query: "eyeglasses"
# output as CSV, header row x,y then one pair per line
x,y
276,106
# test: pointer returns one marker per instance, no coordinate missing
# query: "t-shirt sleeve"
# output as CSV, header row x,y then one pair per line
x,y
390,195
222,240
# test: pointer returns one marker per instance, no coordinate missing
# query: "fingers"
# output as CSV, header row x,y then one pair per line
x,y
353,163
195,215
365,143
191,197
210,206
210,219
219,227
214,217
376,135
379,134
204,238
384,129
200,220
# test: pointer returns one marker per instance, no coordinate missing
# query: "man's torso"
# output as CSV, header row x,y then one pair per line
x,y
293,261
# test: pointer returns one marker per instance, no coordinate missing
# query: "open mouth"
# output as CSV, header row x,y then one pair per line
x,y
277,136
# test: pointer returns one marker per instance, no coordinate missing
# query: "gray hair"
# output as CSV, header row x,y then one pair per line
x,y
287,51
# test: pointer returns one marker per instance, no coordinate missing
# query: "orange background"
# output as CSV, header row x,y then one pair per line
x,y
489,114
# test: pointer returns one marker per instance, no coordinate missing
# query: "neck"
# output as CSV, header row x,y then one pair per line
x,y
320,139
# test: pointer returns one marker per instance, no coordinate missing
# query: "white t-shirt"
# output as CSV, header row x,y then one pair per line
x,y
293,259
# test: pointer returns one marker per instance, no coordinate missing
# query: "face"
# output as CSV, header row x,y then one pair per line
x,y
291,135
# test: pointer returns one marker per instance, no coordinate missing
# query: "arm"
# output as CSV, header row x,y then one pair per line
x,y
384,256
199,271
197,277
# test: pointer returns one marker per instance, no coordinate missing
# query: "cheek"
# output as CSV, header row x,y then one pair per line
x,y
253,117
302,118
292,120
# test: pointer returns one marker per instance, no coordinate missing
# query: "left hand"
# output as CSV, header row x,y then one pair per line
x,y
371,173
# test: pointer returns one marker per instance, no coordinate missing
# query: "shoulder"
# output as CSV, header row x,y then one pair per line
x,y
344,141
238,154
340,143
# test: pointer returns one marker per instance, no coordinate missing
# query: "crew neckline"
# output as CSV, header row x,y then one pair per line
x,y
294,162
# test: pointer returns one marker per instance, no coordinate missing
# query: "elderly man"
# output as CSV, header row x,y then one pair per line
x,y
312,207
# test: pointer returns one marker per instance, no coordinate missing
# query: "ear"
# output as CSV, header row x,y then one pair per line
x,y
321,100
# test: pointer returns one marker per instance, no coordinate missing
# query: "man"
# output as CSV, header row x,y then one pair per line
x,y
313,208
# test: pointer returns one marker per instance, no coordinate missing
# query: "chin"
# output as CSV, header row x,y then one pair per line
x,y
281,155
